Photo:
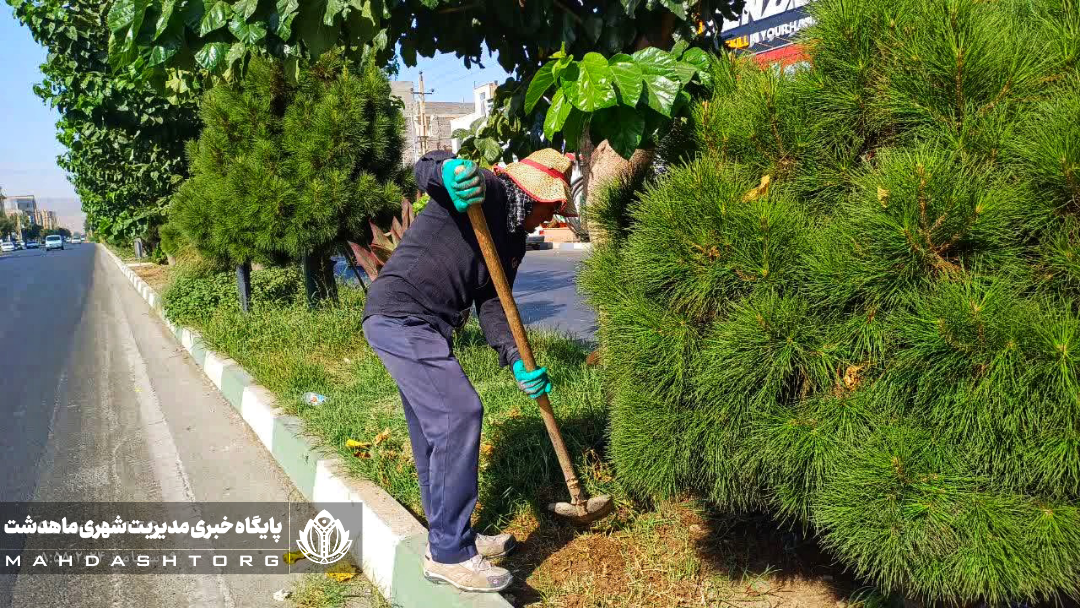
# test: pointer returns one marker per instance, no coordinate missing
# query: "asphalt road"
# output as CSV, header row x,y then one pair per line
x,y
98,403
546,292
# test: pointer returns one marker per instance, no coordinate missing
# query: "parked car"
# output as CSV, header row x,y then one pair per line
x,y
32,244
7,246
19,245
54,241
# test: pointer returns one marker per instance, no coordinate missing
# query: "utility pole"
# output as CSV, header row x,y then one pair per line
x,y
422,117
422,132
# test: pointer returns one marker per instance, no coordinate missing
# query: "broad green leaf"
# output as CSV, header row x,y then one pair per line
x,y
167,8
573,128
658,67
630,6
685,72
215,18
541,82
655,61
408,53
679,48
490,148
310,29
622,127
628,77
166,48
675,6
245,8
193,13
120,15
248,33
236,53
362,25
379,42
556,114
333,9
698,58
661,92
212,56
137,20
286,11
654,123
161,54
588,84
561,65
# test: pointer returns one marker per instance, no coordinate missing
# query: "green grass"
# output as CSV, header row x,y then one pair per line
x,y
290,350
319,591
126,254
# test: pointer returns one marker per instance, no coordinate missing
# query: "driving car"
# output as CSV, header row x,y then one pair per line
x,y
75,240
7,246
54,241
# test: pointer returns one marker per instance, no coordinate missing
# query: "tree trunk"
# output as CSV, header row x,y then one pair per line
x,y
319,281
600,162
600,165
243,285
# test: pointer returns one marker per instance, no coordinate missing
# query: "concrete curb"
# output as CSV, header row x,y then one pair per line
x,y
392,540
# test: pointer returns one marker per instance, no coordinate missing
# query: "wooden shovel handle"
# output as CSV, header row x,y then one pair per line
x,y
506,297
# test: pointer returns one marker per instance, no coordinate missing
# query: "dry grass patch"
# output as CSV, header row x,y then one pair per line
x,y
677,555
155,275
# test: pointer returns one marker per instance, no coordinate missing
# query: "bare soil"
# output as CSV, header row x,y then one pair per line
x,y
678,554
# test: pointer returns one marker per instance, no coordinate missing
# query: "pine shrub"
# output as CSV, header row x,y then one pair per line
x,y
285,169
855,305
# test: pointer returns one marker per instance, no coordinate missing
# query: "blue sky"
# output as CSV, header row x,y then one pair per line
x,y
447,77
28,146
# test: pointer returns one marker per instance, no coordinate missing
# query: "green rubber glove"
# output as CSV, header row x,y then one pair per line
x,y
534,383
464,182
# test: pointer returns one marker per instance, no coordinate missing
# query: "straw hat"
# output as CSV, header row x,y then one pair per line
x,y
545,176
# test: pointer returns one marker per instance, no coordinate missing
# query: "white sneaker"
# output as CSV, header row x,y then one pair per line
x,y
474,574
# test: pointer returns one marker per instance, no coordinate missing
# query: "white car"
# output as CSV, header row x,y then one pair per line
x,y
32,244
75,240
6,246
54,241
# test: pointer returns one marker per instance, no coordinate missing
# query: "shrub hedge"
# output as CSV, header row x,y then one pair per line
x,y
856,306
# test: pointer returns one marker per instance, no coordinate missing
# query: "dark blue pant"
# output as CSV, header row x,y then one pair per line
x,y
444,415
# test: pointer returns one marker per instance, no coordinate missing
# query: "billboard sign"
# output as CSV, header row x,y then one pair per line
x,y
766,25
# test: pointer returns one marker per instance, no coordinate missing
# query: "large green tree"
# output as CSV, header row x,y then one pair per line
x,y
285,170
609,38
123,140
7,225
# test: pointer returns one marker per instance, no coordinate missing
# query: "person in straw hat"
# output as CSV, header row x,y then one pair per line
x,y
412,308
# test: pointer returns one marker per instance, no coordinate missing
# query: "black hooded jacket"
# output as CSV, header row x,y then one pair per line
x,y
437,270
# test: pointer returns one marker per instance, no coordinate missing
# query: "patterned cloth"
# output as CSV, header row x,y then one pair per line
x,y
518,204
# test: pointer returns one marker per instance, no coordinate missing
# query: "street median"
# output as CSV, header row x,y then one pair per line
x,y
393,540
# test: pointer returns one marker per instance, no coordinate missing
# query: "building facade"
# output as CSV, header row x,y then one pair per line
x,y
427,123
25,203
482,100
46,219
